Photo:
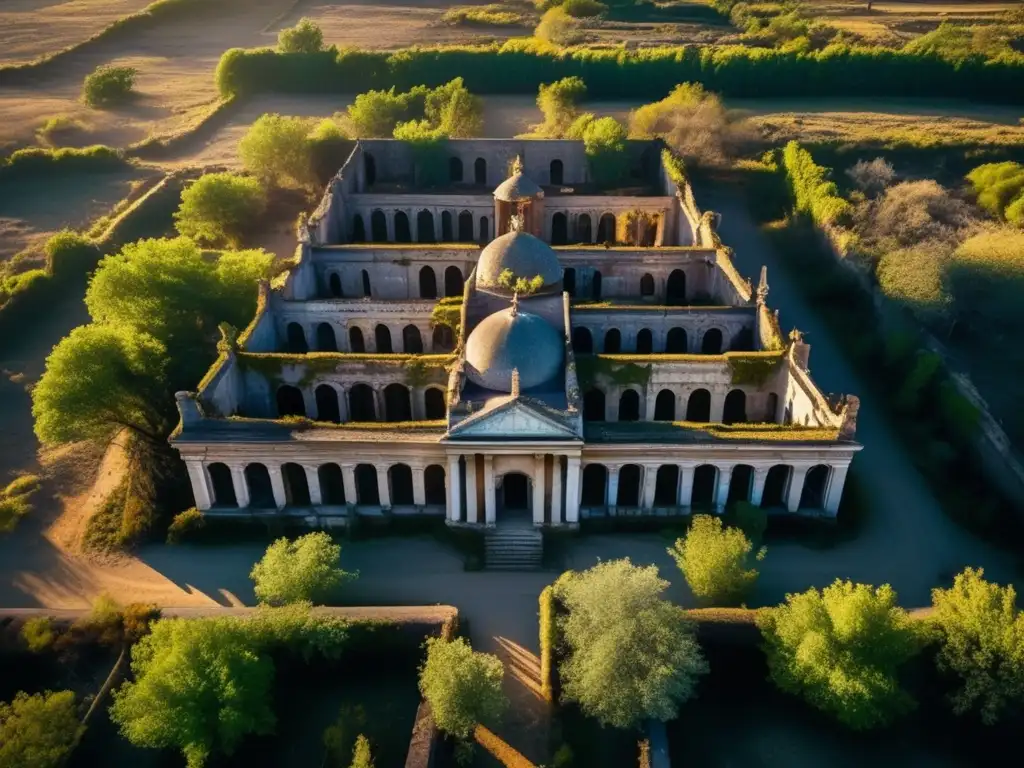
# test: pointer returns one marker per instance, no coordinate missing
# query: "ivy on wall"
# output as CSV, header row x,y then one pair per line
x,y
447,311
752,370
590,367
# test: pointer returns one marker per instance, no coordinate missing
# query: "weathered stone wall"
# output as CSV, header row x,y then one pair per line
x,y
696,322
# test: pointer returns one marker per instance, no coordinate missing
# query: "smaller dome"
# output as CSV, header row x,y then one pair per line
x,y
523,254
514,340
518,188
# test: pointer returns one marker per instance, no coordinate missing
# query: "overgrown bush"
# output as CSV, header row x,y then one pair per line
x,y
70,254
306,569
986,275
38,731
16,501
559,103
715,561
220,208
38,634
108,85
557,27
494,15
842,648
276,148
185,525
999,188
59,128
913,212
583,9
450,110
871,176
462,686
604,143
304,37
916,278
38,163
548,639
361,757
814,195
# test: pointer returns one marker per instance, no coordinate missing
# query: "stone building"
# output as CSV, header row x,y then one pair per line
x,y
492,337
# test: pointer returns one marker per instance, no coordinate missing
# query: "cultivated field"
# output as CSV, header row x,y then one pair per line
x,y
896,22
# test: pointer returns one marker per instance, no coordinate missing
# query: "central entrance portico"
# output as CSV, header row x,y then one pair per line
x,y
514,492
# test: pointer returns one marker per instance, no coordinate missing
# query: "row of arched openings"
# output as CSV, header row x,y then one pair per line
x,y
675,286
452,230
362,403
327,341
698,406
456,172
676,341
332,485
453,283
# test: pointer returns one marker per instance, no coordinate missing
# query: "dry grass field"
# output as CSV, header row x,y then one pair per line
x,y
892,23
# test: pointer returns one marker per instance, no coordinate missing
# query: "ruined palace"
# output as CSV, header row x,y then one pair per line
x,y
494,337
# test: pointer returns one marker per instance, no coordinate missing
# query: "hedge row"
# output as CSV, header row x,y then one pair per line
x,y
813,193
37,162
548,640
520,66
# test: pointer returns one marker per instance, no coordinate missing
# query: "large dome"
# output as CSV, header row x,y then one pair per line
x,y
513,339
522,253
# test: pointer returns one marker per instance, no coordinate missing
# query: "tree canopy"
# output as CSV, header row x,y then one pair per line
x,y
631,654
715,561
306,569
559,103
38,731
304,37
277,149
220,208
462,686
449,110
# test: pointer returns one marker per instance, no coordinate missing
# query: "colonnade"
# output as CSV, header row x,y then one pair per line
x,y
598,337
398,337
410,225
419,402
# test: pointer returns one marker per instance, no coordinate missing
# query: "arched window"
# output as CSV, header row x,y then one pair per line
x,y
433,404
296,487
453,282
593,405
711,344
569,281
772,416
433,485
326,341
613,342
367,492
465,227
740,483
480,171
379,227
428,283
735,407
595,484
666,486
358,229
584,228
665,406
595,286
559,229
289,401
334,283
332,485
403,233
629,406
261,491
412,342
296,338
647,285
361,405
698,407
582,341
425,226
397,403
369,169
400,480
382,339
447,232
743,341
675,342
705,485
223,485
776,486
815,484
355,341
484,230
644,342
327,404
442,339
675,288
629,486
455,169
366,284
606,228
556,171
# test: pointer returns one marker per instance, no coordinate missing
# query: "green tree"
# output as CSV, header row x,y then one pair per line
x,y
982,642
715,561
220,208
604,142
38,731
463,687
361,757
842,648
304,37
108,85
98,380
632,654
277,149
302,570
38,634
559,103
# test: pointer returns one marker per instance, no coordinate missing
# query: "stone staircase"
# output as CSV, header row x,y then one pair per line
x,y
513,549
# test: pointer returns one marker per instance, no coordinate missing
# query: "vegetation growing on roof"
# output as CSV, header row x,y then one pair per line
x,y
752,371
674,167
623,373
447,311
755,432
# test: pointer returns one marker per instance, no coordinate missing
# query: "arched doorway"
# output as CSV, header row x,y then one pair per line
x,y
379,227
326,341
403,233
559,229
425,227
593,405
358,229
355,341
443,339
772,416
776,486
433,404
289,401
705,481
613,342
644,342
569,281
369,169
675,342
815,485
397,403
666,486
455,169
382,339
484,230
647,285
675,288
332,485
327,408
367,492
447,231
297,339
740,483
334,285
629,406
515,493
261,491
711,344
584,228
582,341
555,171
665,406
480,171
428,283
296,487
360,403
743,341
629,486
698,407
223,485
595,484
735,409
412,341
595,286
606,229
367,293
400,480
433,485
454,285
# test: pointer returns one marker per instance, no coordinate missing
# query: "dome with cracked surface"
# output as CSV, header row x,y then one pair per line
x,y
523,255
514,340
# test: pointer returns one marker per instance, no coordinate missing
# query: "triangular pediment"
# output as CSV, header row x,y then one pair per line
x,y
512,420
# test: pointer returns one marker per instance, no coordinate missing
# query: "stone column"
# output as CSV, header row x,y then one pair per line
x,y
650,400
686,485
277,484
612,494
342,400
348,481
437,225
659,237
313,481
757,492
414,225
200,486
309,401
836,482
796,487
722,494
378,403
472,515
454,495
538,489
241,487
489,511
556,490
383,490
717,406
650,478
572,490
419,490
390,220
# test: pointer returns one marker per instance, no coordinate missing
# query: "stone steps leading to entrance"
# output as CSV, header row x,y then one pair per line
x,y
513,549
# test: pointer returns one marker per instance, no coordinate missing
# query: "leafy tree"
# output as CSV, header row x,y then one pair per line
x,y
38,731
304,37
841,648
38,634
982,642
300,570
449,110
463,687
220,208
361,757
559,28
604,142
559,103
714,560
631,653
108,85
99,379
277,149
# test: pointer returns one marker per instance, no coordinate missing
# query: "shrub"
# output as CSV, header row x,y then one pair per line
x,y
981,633
38,731
998,186
463,687
615,606
449,110
59,128
913,212
714,560
986,276
137,620
871,176
70,255
559,28
841,648
548,639
583,9
277,149
36,162
916,278
108,85
38,634
304,37
604,142
361,757
483,15
559,103
328,146
812,193
16,501
220,208
300,570
185,525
